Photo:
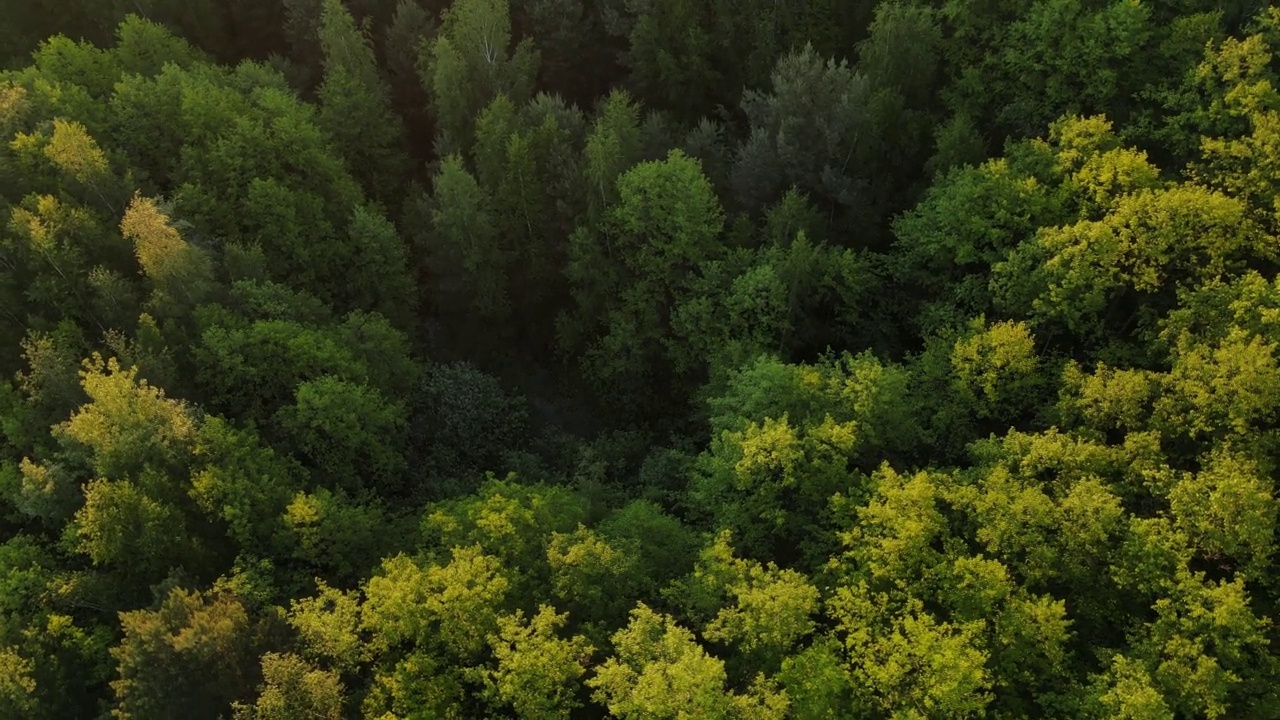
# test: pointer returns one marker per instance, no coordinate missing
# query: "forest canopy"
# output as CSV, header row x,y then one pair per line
x,y
639,359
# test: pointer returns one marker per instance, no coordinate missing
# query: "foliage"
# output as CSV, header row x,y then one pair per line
x,y
716,359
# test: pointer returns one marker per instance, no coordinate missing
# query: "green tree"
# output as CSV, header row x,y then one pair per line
x,y
526,161
51,379
767,302
628,274
242,483
328,627
670,53
663,547
180,273
17,687
302,22
760,610
468,424
64,249
537,672
63,666
128,425
998,368
471,62
453,606
122,525
577,54
596,578
192,657
467,257
911,664
79,158
251,360
613,146
349,435
380,252
510,521
1227,509
355,104
659,671
784,438
410,28
292,689
968,221
1054,58
1095,277
813,130
338,537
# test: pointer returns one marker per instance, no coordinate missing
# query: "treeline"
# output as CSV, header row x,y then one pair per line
x,y
649,359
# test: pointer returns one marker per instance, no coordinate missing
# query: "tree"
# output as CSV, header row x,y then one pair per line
x,y
293,690
328,627
901,52
526,161
467,424
612,147
128,425
766,302
123,526
248,160
758,609
1227,509
537,672
910,663
136,445
241,483
813,130
596,578
669,54
17,688
627,275
337,537
968,221
784,438
181,273
1203,667
816,682
349,435
75,153
760,482
512,522
355,104
250,365
301,28
468,259
998,368
60,667
1128,691
145,47
664,548
1096,276
453,606
191,657
61,247
578,57
1054,58
380,252
471,62
411,27
658,671
51,379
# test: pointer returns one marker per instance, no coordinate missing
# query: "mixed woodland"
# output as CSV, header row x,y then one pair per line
x,y
640,359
